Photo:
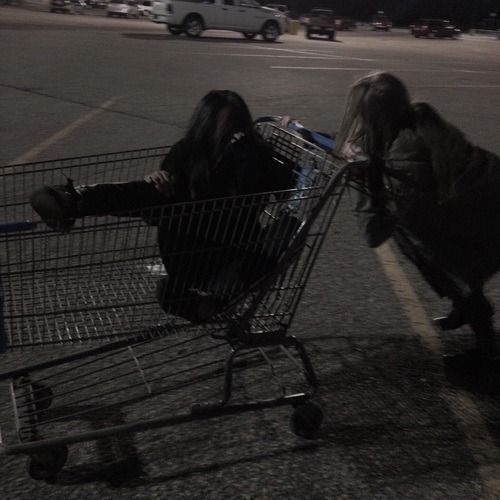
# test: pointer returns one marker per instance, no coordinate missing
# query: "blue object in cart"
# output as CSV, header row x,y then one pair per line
x,y
323,141
15,227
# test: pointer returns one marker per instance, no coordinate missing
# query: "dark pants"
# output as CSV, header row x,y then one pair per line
x,y
469,303
123,198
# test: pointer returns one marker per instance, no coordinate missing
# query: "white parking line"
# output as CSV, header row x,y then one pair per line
x,y
320,68
35,151
468,418
293,51
274,56
398,70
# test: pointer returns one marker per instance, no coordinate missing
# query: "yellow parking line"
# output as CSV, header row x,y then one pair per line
x,y
469,420
35,151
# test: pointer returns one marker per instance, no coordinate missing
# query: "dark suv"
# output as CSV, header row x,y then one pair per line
x,y
437,28
321,22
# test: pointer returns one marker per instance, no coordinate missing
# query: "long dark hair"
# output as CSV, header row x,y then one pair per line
x,y
217,117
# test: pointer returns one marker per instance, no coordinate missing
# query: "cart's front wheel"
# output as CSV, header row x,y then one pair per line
x,y
45,464
306,420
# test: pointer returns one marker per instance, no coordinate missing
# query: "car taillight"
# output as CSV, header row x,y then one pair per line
x,y
424,27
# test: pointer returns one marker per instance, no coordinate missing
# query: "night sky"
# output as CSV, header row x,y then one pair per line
x,y
466,13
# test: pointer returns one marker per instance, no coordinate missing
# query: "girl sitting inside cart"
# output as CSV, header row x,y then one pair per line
x,y
220,156
439,196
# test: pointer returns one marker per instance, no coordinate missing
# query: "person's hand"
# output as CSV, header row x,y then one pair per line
x,y
162,181
286,120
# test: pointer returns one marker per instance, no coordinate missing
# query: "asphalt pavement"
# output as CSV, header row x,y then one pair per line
x,y
395,426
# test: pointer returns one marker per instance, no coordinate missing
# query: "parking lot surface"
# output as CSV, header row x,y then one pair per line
x,y
395,425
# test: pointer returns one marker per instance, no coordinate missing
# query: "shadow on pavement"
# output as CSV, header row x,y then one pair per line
x,y
172,38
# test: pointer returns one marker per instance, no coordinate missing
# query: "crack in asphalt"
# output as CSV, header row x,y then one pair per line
x,y
35,91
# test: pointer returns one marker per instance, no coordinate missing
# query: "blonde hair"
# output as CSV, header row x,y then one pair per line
x,y
379,107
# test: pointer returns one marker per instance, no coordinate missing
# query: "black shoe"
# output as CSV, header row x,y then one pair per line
x,y
474,309
453,321
192,304
57,206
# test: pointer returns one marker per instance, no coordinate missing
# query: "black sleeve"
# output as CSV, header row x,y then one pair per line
x,y
175,164
175,158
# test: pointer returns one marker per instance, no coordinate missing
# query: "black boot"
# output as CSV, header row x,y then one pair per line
x,y
57,205
192,304
478,361
454,320
475,308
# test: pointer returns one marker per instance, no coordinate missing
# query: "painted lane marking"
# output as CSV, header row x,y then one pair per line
x,y
36,150
398,70
225,54
319,68
468,418
301,52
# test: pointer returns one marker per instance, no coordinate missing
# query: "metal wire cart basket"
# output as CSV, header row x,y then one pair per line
x,y
95,290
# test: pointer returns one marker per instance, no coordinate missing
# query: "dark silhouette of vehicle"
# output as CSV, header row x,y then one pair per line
x,y
381,22
437,28
321,22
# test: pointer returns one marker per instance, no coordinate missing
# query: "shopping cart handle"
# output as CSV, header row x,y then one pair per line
x,y
15,227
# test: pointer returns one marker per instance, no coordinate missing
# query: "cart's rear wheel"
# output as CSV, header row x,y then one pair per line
x,y
45,464
306,420
42,396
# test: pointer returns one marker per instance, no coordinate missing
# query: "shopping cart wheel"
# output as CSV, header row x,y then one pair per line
x,y
42,396
306,420
45,464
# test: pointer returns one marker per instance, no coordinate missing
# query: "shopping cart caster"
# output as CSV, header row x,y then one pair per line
x,y
306,420
42,396
44,465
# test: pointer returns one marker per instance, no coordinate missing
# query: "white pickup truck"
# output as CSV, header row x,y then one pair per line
x,y
244,16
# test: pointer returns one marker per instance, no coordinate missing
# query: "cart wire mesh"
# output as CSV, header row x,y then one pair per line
x,y
248,259
100,281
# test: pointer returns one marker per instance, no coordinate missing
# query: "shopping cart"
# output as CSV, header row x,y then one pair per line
x,y
95,291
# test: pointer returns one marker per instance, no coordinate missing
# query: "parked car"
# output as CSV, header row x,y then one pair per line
x,y
64,6
122,8
145,7
192,17
321,22
381,22
437,28
97,4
